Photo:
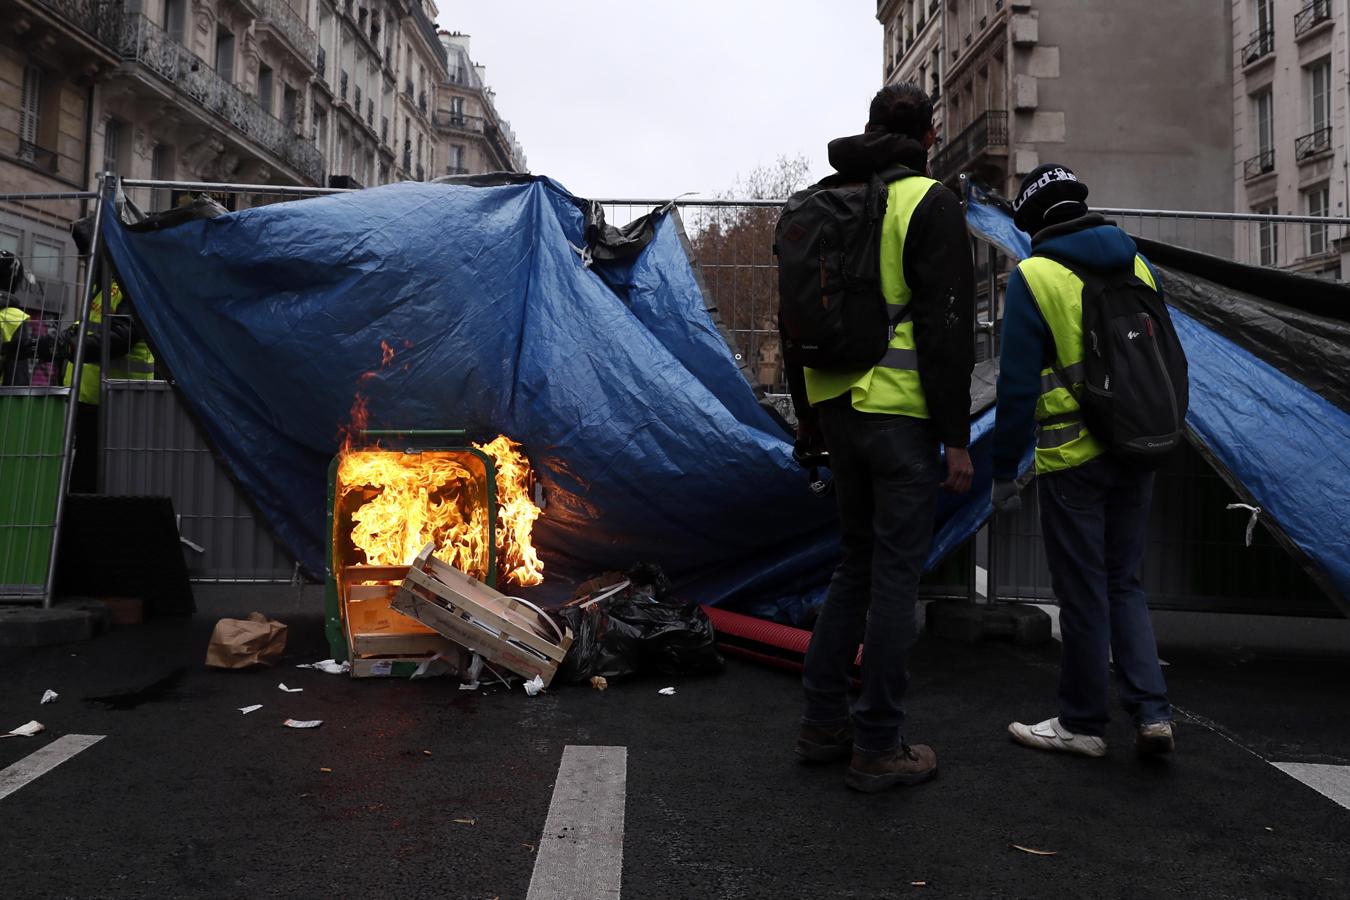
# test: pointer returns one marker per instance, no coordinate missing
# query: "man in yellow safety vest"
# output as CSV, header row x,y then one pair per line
x,y
883,427
1093,507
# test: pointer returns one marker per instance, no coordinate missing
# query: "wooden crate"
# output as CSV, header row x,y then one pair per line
x,y
467,612
382,642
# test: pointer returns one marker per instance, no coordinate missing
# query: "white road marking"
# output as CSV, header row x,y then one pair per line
x,y
1332,782
581,851
40,762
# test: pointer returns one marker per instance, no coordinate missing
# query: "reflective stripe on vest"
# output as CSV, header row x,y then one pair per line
x,y
892,385
137,365
1064,441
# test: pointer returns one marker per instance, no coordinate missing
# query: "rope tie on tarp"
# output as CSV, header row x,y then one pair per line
x,y
1251,523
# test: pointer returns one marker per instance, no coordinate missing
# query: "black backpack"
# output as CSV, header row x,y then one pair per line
x,y
1135,383
831,312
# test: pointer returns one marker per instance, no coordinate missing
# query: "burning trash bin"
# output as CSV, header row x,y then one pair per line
x,y
387,501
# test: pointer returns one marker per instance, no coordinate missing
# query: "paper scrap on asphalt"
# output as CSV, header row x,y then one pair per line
x,y
466,821
330,666
599,682
308,723
668,691
27,730
290,690
534,685
49,697
248,709
1033,851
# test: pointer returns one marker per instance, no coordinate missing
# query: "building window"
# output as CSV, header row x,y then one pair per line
x,y
1268,236
112,146
1316,202
1265,127
457,110
161,169
1263,14
265,88
457,160
30,113
225,54
175,18
290,106
1318,85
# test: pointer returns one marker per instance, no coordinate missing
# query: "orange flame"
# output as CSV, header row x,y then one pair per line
x,y
516,514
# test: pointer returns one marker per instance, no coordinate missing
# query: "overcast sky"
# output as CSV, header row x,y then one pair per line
x,y
636,98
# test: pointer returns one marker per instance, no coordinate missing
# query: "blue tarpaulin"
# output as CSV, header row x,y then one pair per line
x,y
650,444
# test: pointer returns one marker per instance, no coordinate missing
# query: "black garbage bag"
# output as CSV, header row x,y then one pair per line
x,y
632,624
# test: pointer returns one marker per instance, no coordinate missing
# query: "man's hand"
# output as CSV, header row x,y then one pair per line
x,y
960,470
1005,496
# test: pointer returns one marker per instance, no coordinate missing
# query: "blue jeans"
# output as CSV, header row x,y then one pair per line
x,y
886,472
1095,519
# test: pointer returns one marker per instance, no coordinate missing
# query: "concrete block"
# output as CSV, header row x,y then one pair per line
x,y
1024,92
1025,30
961,620
1041,128
1025,161
36,627
1043,62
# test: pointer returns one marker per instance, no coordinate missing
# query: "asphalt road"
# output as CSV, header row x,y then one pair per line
x,y
187,797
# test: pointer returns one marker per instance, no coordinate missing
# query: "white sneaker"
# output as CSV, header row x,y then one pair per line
x,y
1050,735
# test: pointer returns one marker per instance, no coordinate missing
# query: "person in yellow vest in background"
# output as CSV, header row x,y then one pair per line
x,y
19,348
883,426
1094,506
129,357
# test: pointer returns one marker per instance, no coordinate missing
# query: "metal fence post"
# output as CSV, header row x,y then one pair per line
x,y
67,451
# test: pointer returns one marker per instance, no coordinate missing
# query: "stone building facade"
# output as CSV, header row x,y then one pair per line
x,y
473,137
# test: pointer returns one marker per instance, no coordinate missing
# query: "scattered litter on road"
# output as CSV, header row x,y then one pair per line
x,y
528,846
329,666
426,752
325,770
1033,851
466,821
1268,828
309,723
49,697
534,685
668,691
918,884
248,709
28,730
289,690
435,667
240,643
598,682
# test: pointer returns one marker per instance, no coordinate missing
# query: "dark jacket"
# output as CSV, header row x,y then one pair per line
x,y
940,272
1028,347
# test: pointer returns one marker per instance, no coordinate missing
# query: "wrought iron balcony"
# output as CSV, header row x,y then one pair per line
x,y
356,94
384,129
38,157
408,88
96,18
283,21
422,103
1261,164
146,44
321,63
407,159
370,112
342,86
988,133
458,121
1262,44
1312,15
1313,143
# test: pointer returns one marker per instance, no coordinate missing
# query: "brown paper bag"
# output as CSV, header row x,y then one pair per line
x,y
240,643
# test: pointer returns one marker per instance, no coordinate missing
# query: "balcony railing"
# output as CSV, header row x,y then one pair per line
x,y
422,102
145,43
38,157
458,121
1262,44
1313,143
407,159
408,88
989,131
1260,164
1312,15
278,16
342,86
356,94
370,112
321,63
98,19
456,170
384,129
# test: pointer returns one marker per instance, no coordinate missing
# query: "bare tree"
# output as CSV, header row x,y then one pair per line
x,y
734,248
